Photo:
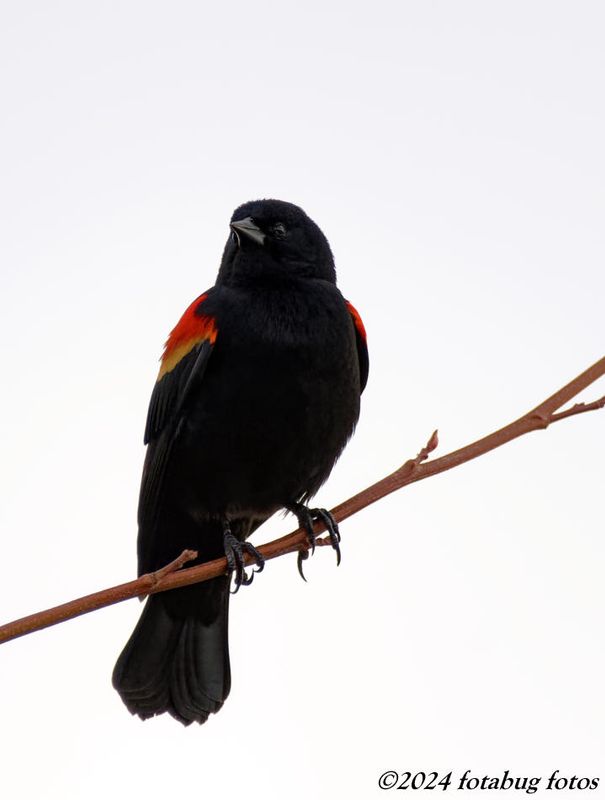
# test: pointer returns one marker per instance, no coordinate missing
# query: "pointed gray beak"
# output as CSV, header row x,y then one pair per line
x,y
247,227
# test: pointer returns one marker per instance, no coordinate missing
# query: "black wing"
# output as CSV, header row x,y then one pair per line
x,y
167,410
184,363
362,346
171,391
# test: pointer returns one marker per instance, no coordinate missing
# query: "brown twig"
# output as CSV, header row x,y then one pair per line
x,y
157,576
416,469
579,408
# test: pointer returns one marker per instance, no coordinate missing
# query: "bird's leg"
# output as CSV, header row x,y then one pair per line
x,y
235,552
306,517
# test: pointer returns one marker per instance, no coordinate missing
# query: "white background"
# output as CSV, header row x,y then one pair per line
x,y
453,154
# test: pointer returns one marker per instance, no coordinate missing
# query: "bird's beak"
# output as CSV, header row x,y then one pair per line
x,y
247,227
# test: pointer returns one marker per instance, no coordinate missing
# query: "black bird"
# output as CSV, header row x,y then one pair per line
x,y
257,395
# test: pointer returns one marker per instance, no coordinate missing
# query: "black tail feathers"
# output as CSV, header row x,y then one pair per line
x,y
177,659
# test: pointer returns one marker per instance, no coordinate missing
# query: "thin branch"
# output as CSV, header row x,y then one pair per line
x,y
579,408
416,469
159,574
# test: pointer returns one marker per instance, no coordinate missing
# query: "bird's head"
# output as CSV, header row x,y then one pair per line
x,y
274,241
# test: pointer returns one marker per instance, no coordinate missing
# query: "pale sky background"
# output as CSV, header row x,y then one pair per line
x,y
453,152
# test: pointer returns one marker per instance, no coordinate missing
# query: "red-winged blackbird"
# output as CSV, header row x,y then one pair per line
x,y
257,395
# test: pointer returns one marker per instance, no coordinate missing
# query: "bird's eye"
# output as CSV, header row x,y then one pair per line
x,y
279,230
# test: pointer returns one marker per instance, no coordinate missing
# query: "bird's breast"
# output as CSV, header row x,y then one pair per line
x,y
278,402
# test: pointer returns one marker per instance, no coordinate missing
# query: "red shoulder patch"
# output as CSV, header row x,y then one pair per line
x,y
357,320
192,329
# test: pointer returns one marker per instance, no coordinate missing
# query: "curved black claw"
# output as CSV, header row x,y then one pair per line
x,y
303,555
306,517
333,531
234,553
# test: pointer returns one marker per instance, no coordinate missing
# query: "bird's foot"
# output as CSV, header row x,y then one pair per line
x,y
306,518
235,551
